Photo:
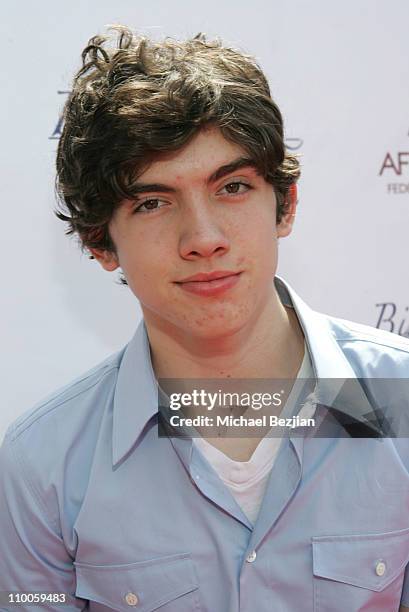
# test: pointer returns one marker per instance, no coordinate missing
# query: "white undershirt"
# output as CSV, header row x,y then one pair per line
x,y
247,480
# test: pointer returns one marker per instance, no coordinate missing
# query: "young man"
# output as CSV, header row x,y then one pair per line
x,y
172,166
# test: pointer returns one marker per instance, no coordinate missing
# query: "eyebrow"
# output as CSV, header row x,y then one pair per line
x,y
236,164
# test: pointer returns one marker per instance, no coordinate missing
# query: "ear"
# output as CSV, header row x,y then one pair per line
x,y
107,259
285,226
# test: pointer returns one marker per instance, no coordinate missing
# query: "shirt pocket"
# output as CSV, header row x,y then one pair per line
x,y
168,583
359,572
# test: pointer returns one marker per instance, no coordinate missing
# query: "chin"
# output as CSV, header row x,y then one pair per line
x,y
217,328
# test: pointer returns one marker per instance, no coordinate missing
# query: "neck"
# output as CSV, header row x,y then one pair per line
x,y
270,346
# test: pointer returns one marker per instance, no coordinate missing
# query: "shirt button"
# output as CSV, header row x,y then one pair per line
x,y
131,599
251,557
380,568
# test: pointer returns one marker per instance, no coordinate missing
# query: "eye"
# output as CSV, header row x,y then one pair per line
x,y
236,187
148,206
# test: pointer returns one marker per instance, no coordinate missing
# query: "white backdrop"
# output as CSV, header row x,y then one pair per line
x,y
340,73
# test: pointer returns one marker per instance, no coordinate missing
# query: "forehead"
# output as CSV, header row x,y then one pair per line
x,y
204,153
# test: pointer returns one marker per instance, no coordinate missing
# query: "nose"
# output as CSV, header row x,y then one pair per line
x,y
201,233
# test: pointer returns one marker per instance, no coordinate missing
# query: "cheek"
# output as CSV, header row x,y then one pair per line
x,y
142,249
260,217
262,257
257,237
144,269
143,262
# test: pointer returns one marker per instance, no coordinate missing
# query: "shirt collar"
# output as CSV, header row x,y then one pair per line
x,y
136,393
338,389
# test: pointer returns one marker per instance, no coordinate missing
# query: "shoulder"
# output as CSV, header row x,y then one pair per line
x,y
71,403
381,360
372,352
49,450
350,330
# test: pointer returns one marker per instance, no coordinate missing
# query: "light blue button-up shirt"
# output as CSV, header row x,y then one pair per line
x,y
95,506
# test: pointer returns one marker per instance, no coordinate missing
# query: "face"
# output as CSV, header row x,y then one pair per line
x,y
199,245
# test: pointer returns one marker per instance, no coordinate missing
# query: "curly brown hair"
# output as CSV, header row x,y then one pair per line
x,y
134,98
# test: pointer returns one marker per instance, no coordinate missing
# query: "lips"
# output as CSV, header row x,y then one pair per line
x,y
210,284
208,276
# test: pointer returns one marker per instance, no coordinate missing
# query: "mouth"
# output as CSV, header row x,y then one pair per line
x,y
210,284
